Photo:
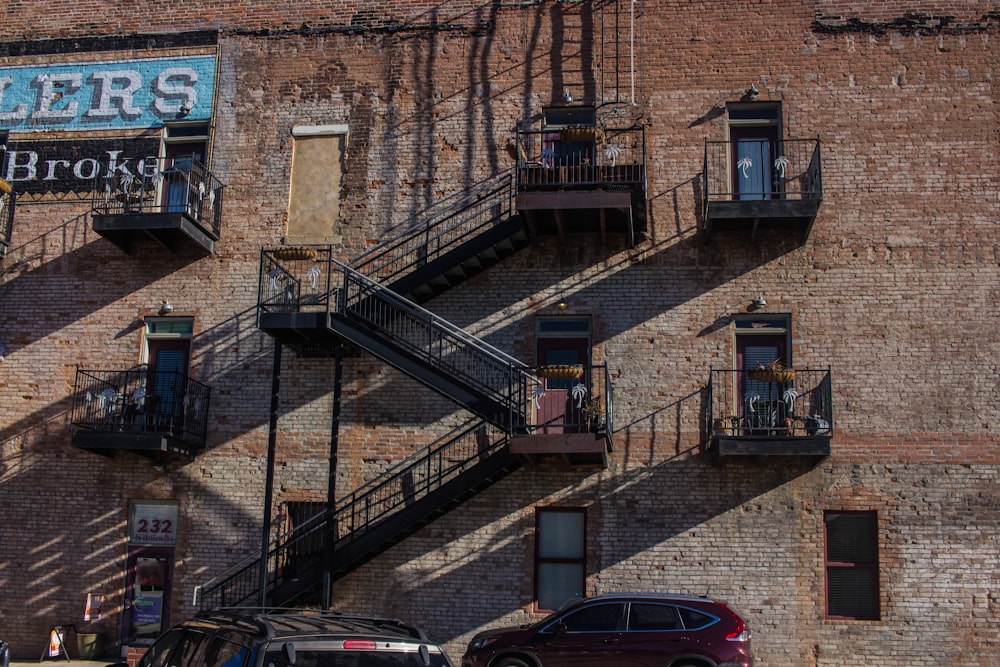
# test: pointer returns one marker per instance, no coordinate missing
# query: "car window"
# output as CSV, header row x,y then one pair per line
x,y
226,650
156,655
649,617
174,649
695,620
594,618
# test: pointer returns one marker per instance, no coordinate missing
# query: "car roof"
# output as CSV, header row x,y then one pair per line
x,y
650,596
271,624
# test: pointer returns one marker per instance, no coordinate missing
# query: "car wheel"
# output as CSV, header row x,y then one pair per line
x,y
511,661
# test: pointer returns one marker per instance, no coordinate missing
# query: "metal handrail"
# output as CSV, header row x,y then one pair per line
x,y
135,400
792,170
440,228
359,511
177,184
752,402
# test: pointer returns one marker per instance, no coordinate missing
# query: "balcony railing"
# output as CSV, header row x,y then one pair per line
x,y
754,170
111,402
580,157
762,185
7,200
181,185
571,399
792,405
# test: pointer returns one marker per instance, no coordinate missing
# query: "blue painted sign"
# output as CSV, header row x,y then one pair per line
x,y
120,94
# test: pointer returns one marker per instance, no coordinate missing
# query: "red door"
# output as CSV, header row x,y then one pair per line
x,y
560,407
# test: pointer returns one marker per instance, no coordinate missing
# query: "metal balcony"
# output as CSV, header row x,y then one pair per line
x,y
159,414
174,201
582,180
7,199
760,413
753,186
570,416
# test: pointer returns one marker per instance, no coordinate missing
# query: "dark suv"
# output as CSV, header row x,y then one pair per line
x,y
284,638
635,629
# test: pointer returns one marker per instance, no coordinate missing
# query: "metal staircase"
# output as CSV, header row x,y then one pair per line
x,y
369,520
479,377
449,242
311,302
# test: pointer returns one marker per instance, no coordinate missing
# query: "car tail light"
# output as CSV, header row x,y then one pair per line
x,y
740,632
359,645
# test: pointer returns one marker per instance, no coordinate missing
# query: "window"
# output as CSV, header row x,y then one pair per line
x,y
652,617
167,355
852,588
314,195
755,143
594,618
559,557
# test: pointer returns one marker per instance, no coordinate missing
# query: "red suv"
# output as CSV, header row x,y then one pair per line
x,y
636,629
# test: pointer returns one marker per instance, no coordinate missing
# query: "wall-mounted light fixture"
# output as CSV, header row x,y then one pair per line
x,y
166,308
751,93
759,302
562,305
186,108
567,97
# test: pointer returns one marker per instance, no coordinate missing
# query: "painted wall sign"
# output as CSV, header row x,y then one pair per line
x,y
63,167
153,522
120,94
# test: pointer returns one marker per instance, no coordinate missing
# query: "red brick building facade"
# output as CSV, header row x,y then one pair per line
x,y
666,194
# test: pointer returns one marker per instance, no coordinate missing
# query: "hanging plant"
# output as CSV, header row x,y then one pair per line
x,y
560,372
286,254
773,372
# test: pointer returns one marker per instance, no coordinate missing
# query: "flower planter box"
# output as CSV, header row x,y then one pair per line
x,y
287,254
560,372
771,375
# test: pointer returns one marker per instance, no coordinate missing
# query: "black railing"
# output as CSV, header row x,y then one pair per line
x,y
765,169
357,513
571,399
7,200
787,403
111,401
164,185
287,286
443,345
580,157
439,229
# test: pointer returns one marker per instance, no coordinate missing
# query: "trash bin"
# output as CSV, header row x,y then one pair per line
x,y
89,645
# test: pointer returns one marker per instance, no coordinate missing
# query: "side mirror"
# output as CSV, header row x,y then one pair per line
x,y
559,628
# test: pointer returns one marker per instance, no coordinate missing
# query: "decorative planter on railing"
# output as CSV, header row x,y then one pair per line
x,y
594,134
560,372
783,376
288,254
